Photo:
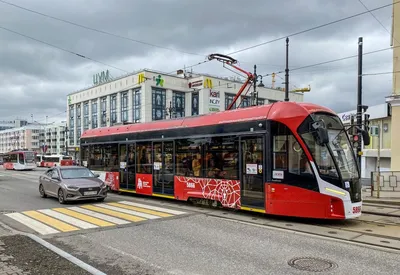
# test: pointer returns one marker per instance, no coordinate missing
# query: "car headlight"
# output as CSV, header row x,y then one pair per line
x,y
73,188
103,185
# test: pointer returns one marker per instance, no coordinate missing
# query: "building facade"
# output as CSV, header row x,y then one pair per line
x,y
148,96
42,138
380,115
9,124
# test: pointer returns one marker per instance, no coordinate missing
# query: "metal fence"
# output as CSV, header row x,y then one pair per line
x,y
389,183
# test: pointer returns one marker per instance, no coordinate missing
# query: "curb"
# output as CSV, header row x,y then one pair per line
x,y
377,201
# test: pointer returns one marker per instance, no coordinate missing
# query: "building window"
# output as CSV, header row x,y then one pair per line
x,y
159,101
228,100
103,110
195,104
86,115
78,123
113,109
245,102
94,113
137,101
260,101
71,124
124,107
178,103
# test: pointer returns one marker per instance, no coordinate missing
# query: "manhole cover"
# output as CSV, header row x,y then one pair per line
x,y
332,232
312,264
6,211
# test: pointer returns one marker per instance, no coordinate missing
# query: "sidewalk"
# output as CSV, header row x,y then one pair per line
x,y
20,255
381,206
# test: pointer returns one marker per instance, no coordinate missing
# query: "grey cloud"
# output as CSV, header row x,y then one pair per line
x,y
40,76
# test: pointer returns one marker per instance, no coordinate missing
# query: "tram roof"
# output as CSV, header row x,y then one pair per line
x,y
275,111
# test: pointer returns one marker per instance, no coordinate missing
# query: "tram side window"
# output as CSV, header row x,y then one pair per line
x,y
289,156
143,158
104,157
13,158
188,158
221,158
85,156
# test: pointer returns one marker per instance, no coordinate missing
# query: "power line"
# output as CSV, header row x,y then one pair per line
x,y
314,28
376,20
62,49
334,60
97,30
301,32
394,72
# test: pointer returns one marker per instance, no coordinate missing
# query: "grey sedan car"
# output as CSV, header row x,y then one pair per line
x,y
71,183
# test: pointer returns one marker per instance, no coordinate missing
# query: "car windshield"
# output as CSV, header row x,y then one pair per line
x,y
337,153
76,173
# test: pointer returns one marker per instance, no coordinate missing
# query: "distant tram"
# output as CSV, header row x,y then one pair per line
x,y
285,158
19,160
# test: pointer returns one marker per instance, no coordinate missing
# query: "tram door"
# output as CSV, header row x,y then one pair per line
x,y
252,171
163,167
127,166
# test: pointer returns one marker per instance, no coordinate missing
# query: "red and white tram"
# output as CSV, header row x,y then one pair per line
x,y
19,160
286,158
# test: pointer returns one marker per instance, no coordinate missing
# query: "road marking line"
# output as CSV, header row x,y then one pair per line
x,y
98,215
170,211
33,224
62,226
83,217
122,209
68,219
114,213
138,210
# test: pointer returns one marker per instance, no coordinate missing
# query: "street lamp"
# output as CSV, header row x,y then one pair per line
x,y
254,96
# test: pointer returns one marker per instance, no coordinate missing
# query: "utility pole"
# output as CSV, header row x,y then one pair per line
x,y
253,95
378,162
287,71
359,96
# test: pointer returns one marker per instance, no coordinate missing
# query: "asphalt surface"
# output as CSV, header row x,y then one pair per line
x,y
193,244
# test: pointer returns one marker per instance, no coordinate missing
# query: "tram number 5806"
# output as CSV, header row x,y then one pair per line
x,y
356,209
190,185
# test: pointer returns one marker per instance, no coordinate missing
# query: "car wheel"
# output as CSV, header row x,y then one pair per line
x,y
41,191
61,196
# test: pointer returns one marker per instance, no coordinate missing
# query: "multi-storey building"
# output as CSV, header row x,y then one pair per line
x,y
380,115
149,95
9,124
35,137
26,137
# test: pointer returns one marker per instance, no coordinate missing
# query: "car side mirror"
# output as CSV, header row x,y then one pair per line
x,y
366,137
55,178
96,175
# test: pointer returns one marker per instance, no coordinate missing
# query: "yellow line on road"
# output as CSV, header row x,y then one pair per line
x,y
114,213
83,217
62,226
139,209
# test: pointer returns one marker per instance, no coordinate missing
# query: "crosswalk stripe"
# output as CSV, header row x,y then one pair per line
x,y
86,218
114,213
68,219
98,215
138,209
33,224
127,211
170,211
62,226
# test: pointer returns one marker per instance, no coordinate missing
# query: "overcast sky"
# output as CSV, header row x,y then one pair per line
x,y
35,78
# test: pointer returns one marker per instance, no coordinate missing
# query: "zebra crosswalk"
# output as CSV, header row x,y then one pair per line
x,y
90,216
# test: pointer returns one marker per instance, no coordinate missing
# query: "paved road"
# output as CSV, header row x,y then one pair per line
x,y
188,243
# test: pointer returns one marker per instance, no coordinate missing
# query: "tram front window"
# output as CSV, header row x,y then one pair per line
x,y
335,159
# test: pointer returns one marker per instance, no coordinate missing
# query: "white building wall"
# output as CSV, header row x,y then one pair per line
x,y
170,84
